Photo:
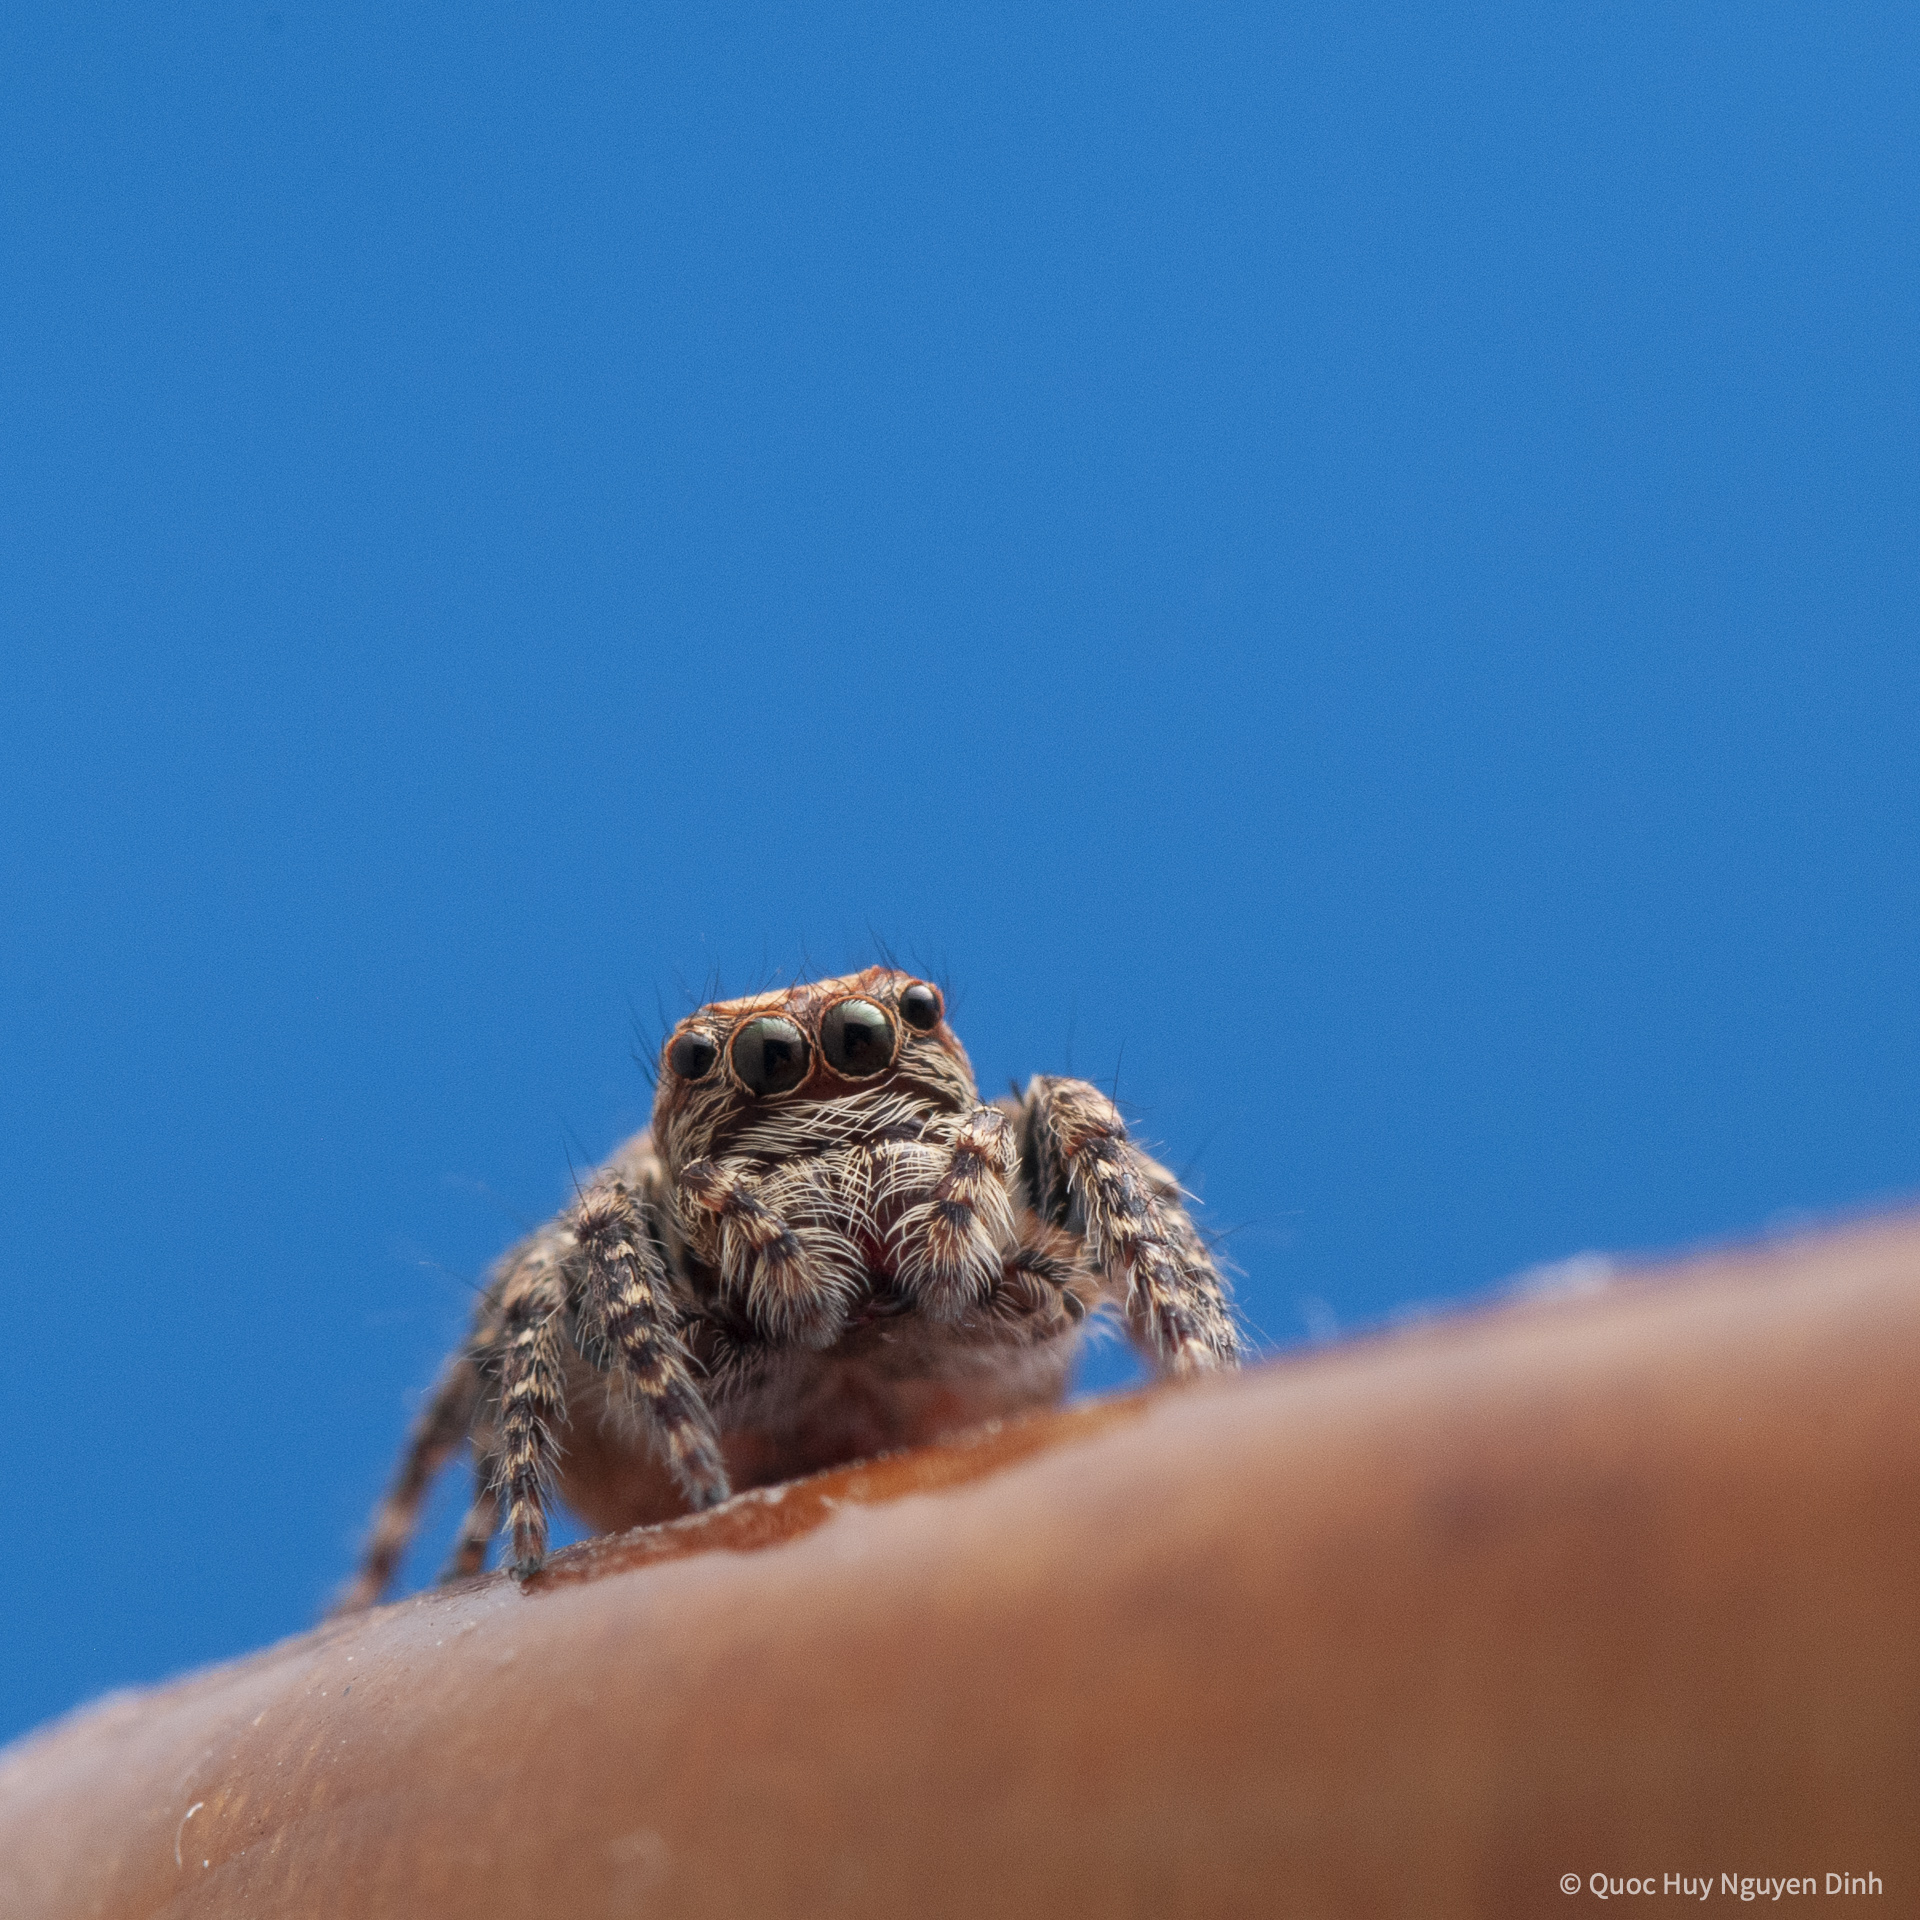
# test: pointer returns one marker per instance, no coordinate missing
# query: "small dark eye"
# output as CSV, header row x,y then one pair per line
x,y
857,1038
769,1055
920,1007
693,1054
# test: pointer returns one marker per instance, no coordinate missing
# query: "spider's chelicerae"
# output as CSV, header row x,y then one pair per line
x,y
826,1245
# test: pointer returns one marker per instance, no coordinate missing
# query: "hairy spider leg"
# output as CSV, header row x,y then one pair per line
x,y
1137,1233
532,1398
438,1434
626,1301
469,1555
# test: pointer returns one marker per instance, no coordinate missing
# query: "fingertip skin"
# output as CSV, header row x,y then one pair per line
x,y
1623,1582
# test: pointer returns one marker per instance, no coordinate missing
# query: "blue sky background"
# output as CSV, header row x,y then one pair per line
x,y
1352,566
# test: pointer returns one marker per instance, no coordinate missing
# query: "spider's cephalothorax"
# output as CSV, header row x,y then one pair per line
x,y
824,1246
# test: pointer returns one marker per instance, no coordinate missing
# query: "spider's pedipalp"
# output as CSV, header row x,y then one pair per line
x,y
1081,1165
948,1249
764,1258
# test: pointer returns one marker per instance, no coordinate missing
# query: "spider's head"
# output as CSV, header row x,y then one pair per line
x,y
877,1032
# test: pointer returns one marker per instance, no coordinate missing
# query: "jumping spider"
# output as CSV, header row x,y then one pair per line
x,y
826,1245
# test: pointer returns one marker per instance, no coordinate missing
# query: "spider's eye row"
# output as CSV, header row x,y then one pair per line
x,y
920,1007
693,1054
857,1038
769,1055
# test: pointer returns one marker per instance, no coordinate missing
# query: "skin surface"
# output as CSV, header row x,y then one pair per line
x,y
1625,1583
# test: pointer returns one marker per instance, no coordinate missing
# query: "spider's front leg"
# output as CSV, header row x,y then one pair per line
x,y
1081,1171
626,1305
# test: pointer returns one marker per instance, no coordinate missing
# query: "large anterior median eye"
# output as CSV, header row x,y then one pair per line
x,y
693,1054
920,1007
769,1055
857,1038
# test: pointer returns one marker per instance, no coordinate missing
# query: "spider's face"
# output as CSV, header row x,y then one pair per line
x,y
828,1041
